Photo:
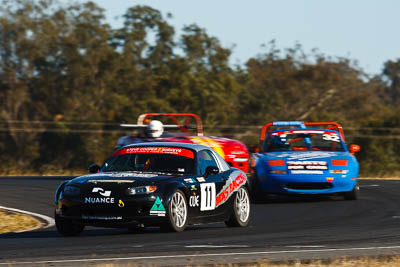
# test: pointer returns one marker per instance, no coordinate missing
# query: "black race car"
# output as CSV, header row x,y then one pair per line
x,y
162,184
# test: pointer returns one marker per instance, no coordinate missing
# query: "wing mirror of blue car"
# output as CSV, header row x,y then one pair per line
x,y
210,170
354,148
94,168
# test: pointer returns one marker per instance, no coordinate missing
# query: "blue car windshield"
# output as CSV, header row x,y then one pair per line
x,y
303,140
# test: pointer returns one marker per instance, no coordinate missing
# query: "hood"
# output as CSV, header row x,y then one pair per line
x,y
306,160
305,155
123,177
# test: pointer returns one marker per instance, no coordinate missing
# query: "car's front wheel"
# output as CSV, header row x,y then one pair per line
x,y
67,227
241,209
353,194
177,213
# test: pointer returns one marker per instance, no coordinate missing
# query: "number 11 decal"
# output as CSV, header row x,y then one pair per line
x,y
207,192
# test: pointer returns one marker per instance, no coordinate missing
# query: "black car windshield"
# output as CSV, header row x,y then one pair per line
x,y
151,159
303,140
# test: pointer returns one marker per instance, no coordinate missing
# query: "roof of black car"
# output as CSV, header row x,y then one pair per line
x,y
194,147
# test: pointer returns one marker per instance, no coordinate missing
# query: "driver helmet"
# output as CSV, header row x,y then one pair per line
x,y
155,129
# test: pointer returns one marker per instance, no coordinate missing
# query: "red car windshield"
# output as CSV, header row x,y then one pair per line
x,y
151,159
303,140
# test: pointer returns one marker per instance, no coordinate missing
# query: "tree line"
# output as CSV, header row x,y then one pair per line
x,y
62,63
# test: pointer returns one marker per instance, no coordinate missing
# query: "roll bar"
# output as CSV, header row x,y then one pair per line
x,y
143,119
282,124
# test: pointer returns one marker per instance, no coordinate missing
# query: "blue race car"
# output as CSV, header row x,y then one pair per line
x,y
294,159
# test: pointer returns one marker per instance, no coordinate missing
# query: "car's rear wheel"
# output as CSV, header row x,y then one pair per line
x,y
67,227
177,213
240,216
353,194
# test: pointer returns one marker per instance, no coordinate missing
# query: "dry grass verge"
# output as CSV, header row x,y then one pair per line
x,y
14,222
388,261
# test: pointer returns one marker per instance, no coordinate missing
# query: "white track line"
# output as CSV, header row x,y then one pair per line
x,y
49,221
216,246
200,255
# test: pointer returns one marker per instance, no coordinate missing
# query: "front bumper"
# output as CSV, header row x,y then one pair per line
x,y
306,184
122,212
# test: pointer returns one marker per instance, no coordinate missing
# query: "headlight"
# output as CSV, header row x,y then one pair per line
x,y
141,190
70,190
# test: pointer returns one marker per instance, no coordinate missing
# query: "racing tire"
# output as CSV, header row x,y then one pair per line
x,y
353,194
240,216
177,213
67,227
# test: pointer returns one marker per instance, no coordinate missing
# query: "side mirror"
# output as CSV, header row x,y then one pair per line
x,y
94,168
211,170
354,148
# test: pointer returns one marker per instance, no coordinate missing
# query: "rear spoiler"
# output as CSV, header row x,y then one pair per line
x,y
145,118
300,124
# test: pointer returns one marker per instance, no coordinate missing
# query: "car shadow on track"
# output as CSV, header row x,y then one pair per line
x,y
52,233
279,199
98,231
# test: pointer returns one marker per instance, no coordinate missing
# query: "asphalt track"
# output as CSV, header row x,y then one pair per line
x,y
286,228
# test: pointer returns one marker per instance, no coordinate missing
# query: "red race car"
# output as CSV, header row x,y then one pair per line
x,y
190,130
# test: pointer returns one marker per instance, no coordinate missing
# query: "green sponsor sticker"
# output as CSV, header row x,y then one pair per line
x,y
158,208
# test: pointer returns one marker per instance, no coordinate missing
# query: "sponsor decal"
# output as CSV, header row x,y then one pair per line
x,y
308,155
230,187
326,135
98,200
306,172
189,180
331,137
111,181
207,192
201,179
156,150
193,188
330,179
101,191
90,217
158,208
121,204
303,132
194,201
307,165
133,174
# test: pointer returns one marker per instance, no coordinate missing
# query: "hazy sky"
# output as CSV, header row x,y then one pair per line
x,y
362,30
